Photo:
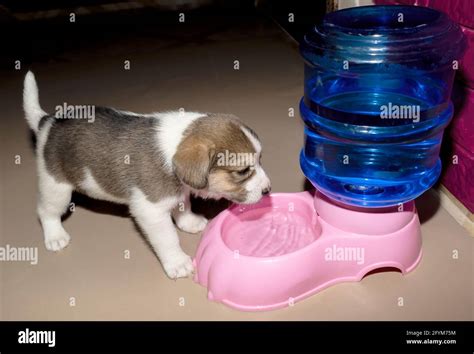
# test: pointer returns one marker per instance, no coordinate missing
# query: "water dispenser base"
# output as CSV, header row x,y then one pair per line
x,y
291,245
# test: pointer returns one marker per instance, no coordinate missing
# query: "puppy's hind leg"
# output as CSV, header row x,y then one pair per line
x,y
54,197
155,221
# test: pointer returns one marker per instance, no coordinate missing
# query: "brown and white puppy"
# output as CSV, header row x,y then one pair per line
x,y
150,162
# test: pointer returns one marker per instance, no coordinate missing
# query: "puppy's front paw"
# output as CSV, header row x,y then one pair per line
x,y
191,223
57,241
179,266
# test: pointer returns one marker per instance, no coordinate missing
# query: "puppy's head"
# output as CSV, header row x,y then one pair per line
x,y
220,157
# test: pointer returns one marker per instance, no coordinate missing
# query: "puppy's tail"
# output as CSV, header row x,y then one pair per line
x,y
31,106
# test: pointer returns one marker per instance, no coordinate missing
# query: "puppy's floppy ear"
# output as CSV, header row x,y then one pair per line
x,y
193,160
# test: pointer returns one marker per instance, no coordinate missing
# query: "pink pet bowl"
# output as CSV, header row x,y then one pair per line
x,y
289,246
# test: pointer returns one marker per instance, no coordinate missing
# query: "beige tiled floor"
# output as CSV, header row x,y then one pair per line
x,y
196,76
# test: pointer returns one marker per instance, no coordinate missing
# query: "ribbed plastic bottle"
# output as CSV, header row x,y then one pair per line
x,y
378,81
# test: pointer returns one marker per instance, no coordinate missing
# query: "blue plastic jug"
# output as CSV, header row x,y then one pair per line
x,y
378,81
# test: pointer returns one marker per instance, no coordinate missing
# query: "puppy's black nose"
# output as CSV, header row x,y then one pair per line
x,y
266,191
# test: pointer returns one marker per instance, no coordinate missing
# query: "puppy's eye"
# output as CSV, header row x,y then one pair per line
x,y
244,171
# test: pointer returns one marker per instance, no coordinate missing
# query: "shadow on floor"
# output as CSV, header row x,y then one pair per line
x,y
209,208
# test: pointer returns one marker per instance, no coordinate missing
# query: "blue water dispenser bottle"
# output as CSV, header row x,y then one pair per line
x,y
378,82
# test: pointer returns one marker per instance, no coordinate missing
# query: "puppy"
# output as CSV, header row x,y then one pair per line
x,y
151,162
